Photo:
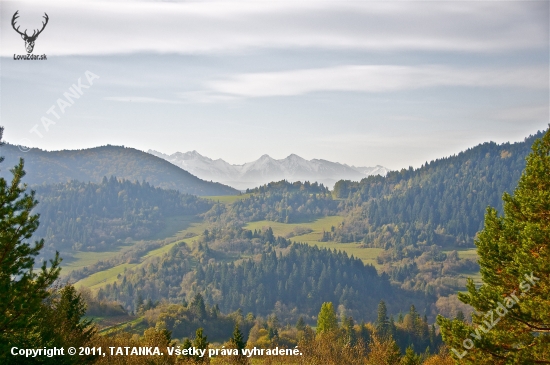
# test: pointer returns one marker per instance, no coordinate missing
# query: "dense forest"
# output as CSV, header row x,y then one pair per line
x,y
201,286
287,278
442,202
280,201
78,216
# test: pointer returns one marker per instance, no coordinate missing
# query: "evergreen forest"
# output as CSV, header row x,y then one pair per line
x,y
397,269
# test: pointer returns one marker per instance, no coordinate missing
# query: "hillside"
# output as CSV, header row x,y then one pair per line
x,y
443,201
85,217
412,229
91,165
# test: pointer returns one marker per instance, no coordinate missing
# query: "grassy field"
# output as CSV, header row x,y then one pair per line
x,y
195,228
103,277
174,225
367,255
226,199
183,228
81,259
192,227
468,253
173,228
474,275
283,229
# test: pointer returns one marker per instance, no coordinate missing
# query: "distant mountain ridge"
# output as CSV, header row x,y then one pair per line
x,y
92,164
267,169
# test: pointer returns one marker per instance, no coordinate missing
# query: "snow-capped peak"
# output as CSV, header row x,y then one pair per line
x,y
266,169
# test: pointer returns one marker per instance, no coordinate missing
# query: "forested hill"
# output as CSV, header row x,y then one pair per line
x,y
91,165
279,201
78,216
442,201
290,279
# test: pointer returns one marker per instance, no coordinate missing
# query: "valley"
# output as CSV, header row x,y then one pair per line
x,y
146,256
304,214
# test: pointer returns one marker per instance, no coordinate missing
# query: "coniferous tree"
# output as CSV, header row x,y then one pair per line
x,y
460,316
62,322
239,343
301,324
382,322
22,288
512,319
198,306
411,358
187,344
348,330
200,342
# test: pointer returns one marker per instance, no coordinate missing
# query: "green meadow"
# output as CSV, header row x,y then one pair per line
x,y
192,227
183,228
81,259
367,255
101,278
226,199
284,229
175,229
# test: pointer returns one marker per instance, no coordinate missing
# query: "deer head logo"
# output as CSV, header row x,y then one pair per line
x,y
29,40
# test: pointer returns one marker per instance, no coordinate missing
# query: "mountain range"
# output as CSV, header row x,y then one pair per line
x,y
92,164
267,169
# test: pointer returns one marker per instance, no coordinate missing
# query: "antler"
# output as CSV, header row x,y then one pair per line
x,y
43,26
34,34
15,16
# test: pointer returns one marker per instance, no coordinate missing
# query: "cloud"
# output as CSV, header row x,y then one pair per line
x,y
206,97
522,114
141,99
372,78
84,28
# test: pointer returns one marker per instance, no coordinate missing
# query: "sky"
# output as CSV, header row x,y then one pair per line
x,y
365,83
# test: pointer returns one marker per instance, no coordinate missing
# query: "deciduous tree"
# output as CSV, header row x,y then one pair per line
x,y
327,321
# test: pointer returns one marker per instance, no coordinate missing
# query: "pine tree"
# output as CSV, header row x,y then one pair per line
x,y
382,323
68,309
198,307
237,338
200,342
348,330
512,324
22,289
411,358
187,344
301,324
326,320
239,343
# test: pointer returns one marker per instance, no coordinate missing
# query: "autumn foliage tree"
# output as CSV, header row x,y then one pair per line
x,y
327,321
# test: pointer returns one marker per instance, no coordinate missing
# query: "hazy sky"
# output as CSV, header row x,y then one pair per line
x,y
358,82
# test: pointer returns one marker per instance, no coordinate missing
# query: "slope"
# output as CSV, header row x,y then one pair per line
x,y
443,201
91,165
